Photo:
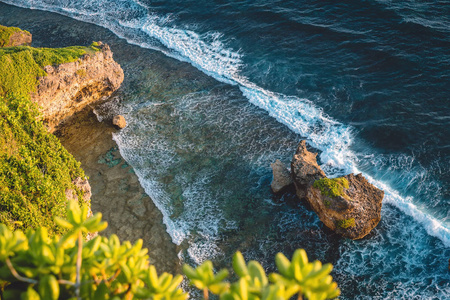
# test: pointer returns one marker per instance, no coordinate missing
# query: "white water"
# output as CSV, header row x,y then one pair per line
x,y
209,54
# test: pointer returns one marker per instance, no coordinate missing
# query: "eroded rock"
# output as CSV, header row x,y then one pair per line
x,y
70,87
349,205
281,177
119,121
304,169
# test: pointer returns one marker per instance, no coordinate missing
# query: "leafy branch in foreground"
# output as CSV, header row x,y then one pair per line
x,y
35,266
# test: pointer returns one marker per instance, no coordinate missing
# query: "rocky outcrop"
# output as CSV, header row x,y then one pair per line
x,y
349,205
281,177
13,36
304,169
70,87
119,121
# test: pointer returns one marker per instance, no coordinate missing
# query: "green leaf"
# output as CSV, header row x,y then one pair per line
x,y
239,265
63,223
219,288
283,265
30,294
101,292
256,271
220,276
49,288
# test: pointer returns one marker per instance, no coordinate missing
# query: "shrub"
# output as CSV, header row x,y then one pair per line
x,y
33,266
35,169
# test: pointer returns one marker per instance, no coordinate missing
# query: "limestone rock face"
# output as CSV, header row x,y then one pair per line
x,y
349,205
281,177
17,38
119,121
70,87
304,169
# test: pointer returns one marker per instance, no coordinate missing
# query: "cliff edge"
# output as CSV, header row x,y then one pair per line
x,y
13,36
69,87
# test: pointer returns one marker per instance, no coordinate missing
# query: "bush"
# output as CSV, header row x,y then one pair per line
x,y
35,169
34,266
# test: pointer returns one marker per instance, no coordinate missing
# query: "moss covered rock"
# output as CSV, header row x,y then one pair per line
x,y
349,205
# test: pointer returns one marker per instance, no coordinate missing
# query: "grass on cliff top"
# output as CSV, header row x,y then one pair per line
x,y
332,187
6,32
21,66
35,169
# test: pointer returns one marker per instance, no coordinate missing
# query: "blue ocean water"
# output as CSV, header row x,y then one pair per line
x,y
366,83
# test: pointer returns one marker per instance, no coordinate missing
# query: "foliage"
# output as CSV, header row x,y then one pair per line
x,y
35,266
21,66
346,223
6,33
35,169
332,187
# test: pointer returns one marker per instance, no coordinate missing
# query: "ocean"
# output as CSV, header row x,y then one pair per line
x,y
366,83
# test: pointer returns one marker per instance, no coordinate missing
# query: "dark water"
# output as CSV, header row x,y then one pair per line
x,y
365,82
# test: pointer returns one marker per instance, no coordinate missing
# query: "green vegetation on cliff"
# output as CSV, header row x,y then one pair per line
x,y
6,33
332,187
35,169
22,65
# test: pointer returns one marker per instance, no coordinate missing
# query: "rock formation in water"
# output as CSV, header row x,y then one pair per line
x,y
349,205
281,177
13,36
70,87
119,121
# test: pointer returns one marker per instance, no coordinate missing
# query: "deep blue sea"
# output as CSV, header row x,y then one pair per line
x,y
366,83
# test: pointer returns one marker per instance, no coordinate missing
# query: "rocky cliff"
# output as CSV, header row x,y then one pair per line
x,y
349,205
69,87
13,36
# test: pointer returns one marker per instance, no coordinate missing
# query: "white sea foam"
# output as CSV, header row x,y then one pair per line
x,y
209,54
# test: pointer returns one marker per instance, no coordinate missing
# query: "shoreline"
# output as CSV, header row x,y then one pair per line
x,y
116,191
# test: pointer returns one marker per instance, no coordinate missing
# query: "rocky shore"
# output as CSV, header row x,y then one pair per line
x,y
116,191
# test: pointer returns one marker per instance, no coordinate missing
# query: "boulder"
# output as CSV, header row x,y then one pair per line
x,y
281,177
348,205
13,36
119,121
